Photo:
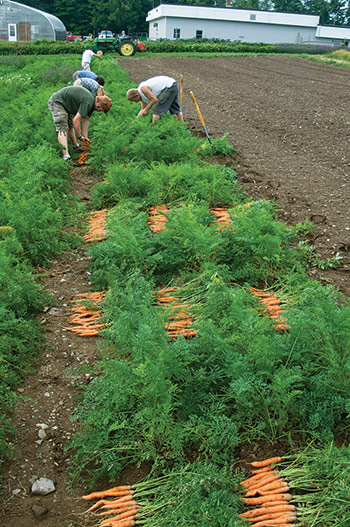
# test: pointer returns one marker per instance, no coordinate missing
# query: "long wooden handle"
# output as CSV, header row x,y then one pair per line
x,y
197,108
181,88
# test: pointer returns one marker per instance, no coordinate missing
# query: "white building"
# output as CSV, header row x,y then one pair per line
x,y
246,25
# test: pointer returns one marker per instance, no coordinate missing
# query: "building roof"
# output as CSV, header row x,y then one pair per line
x,y
232,15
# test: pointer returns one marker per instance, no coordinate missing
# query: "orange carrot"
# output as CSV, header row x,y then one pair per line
x,y
116,504
267,499
282,488
268,468
115,491
265,510
265,462
122,523
288,518
122,516
252,481
280,482
122,507
273,516
265,480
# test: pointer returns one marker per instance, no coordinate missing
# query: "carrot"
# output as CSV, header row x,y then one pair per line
x,y
116,504
122,523
122,507
266,478
97,504
265,510
272,516
115,491
263,469
280,482
265,462
287,518
282,488
122,516
267,499
252,481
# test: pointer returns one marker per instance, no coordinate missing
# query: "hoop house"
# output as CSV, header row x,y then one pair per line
x,y
19,22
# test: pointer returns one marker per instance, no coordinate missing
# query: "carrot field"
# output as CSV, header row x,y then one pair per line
x,y
215,348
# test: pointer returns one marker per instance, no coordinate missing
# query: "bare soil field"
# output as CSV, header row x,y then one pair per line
x,y
288,120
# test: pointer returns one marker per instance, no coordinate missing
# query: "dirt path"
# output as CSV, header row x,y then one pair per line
x,y
288,120
49,396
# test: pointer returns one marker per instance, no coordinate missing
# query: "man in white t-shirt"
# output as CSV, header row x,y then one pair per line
x,y
86,59
159,93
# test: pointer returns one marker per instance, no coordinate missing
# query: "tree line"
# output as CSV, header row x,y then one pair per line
x,y
92,16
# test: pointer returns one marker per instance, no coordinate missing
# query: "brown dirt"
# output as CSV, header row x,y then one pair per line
x,y
288,121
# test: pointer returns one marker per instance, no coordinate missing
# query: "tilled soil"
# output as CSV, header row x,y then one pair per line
x,y
288,121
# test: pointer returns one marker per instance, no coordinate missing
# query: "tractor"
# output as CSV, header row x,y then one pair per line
x,y
126,46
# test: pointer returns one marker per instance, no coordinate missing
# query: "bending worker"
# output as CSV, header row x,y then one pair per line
x,y
159,93
71,109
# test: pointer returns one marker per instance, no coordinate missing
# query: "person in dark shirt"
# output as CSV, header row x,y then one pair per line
x,y
71,109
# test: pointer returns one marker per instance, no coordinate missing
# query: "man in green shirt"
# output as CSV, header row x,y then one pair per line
x,y
71,108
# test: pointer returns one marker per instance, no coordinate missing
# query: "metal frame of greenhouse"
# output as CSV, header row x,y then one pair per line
x,y
19,22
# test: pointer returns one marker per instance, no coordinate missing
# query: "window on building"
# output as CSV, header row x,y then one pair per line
x,y
176,33
155,24
252,17
199,33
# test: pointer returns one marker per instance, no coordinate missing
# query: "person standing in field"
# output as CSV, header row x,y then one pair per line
x,y
71,109
86,59
159,93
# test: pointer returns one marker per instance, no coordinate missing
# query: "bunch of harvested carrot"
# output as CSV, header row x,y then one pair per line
x,y
222,217
272,308
269,491
85,317
179,318
156,219
97,223
123,508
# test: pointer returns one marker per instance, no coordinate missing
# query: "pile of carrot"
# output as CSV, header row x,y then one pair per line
x,y
97,222
85,318
156,219
222,217
179,318
272,308
267,492
121,510
82,158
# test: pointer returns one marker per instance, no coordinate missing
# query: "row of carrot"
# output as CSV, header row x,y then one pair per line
x,y
97,230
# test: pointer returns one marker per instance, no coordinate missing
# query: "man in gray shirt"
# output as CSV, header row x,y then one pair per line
x,y
71,109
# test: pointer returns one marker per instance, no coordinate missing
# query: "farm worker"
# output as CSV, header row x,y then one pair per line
x,y
81,74
71,108
159,93
86,59
89,84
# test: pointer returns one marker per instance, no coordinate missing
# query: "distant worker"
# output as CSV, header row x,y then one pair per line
x,y
122,34
159,93
80,74
86,59
71,109
89,84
